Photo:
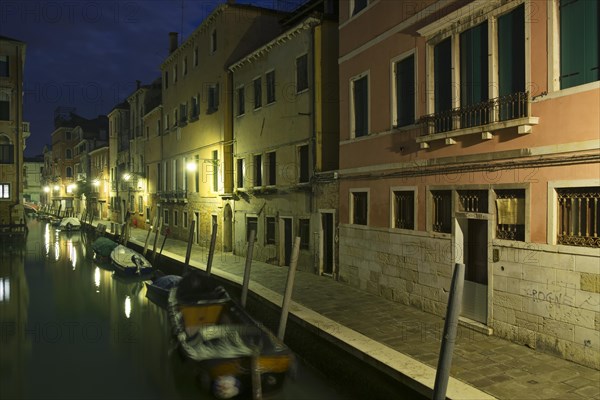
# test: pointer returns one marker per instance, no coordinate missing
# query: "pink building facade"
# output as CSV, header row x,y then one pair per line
x,y
470,134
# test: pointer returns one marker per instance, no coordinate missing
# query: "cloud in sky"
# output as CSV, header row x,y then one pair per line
x,y
89,54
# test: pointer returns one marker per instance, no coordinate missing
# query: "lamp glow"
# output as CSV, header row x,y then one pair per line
x,y
56,187
46,189
126,177
191,166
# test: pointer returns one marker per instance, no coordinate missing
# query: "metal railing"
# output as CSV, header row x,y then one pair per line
x,y
503,108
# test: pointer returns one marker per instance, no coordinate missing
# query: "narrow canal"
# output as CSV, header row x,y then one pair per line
x,y
70,330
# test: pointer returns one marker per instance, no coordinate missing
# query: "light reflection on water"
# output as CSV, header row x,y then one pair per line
x,y
70,330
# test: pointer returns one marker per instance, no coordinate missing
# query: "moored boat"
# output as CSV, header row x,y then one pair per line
x,y
159,288
225,342
129,262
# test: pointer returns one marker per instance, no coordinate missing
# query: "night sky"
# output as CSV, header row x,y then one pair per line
x,y
89,54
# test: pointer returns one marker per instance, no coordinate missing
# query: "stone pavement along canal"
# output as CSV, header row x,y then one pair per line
x,y
404,337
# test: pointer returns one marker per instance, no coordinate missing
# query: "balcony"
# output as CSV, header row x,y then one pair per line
x,y
513,110
173,196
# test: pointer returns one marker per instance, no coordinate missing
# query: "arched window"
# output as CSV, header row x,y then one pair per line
x,y
69,172
7,151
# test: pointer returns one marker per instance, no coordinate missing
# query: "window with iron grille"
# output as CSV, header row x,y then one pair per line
x,y
404,209
510,214
473,201
270,231
578,217
304,230
441,211
360,208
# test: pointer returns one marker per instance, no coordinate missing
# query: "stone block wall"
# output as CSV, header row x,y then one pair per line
x,y
545,297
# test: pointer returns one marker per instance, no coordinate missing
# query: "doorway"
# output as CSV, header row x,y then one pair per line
x,y
475,258
286,240
326,243
227,221
197,227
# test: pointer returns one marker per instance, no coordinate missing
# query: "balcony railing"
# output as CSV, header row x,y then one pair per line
x,y
173,196
499,109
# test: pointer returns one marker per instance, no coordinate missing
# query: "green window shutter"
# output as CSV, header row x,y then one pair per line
x,y
572,43
442,67
474,65
511,52
405,91
361,107
591,63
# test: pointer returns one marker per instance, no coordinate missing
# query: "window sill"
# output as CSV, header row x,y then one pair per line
x,y
523,125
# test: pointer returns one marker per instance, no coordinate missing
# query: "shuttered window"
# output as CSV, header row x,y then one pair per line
x,y
361,106
405,91
578,42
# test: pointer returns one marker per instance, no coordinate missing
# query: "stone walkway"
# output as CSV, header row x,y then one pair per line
x,y
495,366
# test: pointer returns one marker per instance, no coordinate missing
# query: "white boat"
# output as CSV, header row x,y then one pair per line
x,y
129,262
69,224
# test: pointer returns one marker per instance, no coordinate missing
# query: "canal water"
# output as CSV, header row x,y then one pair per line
x,y
70,330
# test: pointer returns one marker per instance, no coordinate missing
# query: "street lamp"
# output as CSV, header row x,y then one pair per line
x,y
46,189
96,182
191,166
56,187
126,176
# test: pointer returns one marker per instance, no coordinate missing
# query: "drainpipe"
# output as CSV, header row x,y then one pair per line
x,y
313,122
18,126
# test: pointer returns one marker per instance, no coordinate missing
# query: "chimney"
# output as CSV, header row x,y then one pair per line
x,y
172,41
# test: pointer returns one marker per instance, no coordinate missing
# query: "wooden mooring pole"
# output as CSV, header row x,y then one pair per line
x,y
289,287
211,250
247,268
188,252
450,327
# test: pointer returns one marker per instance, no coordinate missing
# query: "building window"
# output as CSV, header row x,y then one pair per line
x,y
183,113
578,216
166,80
304,230
4,106
213,41
213,98
185,219
510,214
511,60
175,217
441,211
304,174
167,122
270,87
241,101
197,175
272,171
257,93
175,117
360,106
251,225
473,201
166,217
404,91
7,152
196,56
184,68
442,75
301,73
258,171
579,56
474,74
69,172
4,190
141,204
215,170
174,73
195,108
404,209
359,206
270,231
240,173
358,5
3,66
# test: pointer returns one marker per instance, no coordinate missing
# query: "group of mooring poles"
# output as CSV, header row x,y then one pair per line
x,y
254,361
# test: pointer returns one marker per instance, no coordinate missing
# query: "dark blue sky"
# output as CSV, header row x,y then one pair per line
x,y
88,54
